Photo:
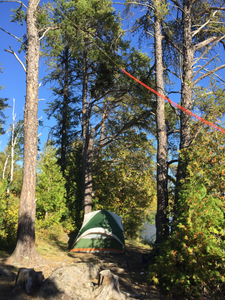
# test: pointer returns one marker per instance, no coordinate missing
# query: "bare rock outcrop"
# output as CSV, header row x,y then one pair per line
x,y
80,281
70,282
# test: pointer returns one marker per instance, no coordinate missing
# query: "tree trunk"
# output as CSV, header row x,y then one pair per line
x,y
162,192
25,246
5,166
65,112
86,183
186,91
12,142
102,135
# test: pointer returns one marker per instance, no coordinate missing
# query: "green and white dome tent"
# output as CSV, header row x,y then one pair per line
x,y
102,231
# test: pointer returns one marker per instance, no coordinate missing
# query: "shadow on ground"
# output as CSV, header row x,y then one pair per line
x,y
128,266
8,274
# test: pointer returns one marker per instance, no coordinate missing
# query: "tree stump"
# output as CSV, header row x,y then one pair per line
x,y
108,287
28,280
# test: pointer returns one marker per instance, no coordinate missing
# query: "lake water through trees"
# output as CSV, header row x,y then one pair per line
x,y
149,232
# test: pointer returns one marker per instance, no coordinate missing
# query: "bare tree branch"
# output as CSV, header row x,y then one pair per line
x,y
173,44
14,53
136,3
46,30
202,67
175,74
172,132
208,73
194,135
18,39
209,48
208,9
127,125
216,8
206,42
102,120
200,28
216,75
174,92
174,109
213,75
14,1
108,92
177,5
166,36
149,33
37,3
223,43
172,162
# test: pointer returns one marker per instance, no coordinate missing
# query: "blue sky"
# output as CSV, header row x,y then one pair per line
x,y
13,76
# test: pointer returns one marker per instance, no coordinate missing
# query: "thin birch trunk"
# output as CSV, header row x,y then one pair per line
x,y
5,166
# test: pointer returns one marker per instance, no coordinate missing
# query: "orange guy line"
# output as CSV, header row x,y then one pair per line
x,y
175,104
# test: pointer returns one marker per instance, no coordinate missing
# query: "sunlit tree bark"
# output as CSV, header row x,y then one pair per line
x,y
25,246
162,192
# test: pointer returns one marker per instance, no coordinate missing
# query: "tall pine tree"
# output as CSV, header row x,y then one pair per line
x,y
92,28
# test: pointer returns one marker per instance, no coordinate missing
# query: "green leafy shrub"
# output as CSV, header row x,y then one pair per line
x,y
9,207
191,261
50,192
3,185
48,233
11,220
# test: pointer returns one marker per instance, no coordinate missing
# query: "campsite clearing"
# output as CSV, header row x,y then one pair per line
x,y
128,266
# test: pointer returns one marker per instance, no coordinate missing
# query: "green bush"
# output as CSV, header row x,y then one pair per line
x,y
194,255
191,261
50,192
9,206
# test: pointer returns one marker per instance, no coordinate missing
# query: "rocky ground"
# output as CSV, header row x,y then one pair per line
x,y
129,267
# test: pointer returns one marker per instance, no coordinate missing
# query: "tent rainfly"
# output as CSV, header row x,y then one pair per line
x,y
102,231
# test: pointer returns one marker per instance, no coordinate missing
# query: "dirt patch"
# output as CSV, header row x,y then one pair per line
x,y
128,266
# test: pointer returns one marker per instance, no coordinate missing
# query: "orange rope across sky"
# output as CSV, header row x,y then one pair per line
x,y
175,104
